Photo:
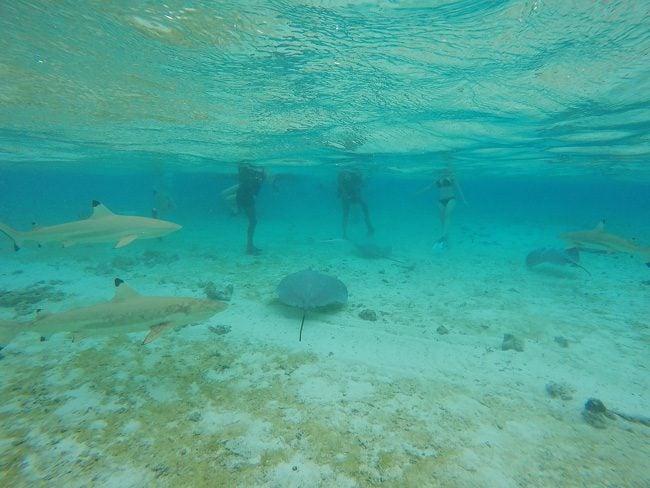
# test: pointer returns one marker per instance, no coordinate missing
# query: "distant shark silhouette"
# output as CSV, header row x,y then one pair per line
x,y
555,256
102,226
128,311
599,240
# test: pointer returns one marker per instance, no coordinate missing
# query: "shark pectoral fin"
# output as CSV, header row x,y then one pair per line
x,y
156,331
125,241
67,243
13,234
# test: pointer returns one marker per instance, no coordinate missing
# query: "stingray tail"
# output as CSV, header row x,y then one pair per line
x,y
304,314
573,253
15,235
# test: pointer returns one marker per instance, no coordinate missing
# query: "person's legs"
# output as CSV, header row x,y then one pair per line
x,y
345,207
249,209
446,209
366,216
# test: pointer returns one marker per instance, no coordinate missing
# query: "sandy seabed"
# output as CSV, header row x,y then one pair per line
x,y
422,396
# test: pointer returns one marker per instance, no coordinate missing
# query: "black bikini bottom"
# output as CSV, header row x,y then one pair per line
x,y
445,201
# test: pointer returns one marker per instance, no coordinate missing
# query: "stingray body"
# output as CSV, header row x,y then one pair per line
x,y
597,239
102,226
309,289
128,311
560,257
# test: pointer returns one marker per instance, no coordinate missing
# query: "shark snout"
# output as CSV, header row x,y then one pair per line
x,y
165,227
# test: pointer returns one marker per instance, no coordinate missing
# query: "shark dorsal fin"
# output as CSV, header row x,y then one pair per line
x,y
123,291
100,210
600,227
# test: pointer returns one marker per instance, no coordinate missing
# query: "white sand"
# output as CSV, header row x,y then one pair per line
x,y
360,403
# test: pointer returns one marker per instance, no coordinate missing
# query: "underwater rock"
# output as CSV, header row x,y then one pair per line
x,y
442,330
160,470
220,329
512,342
560,390
561,341
194,416
596,414
210,290
368,314
226,293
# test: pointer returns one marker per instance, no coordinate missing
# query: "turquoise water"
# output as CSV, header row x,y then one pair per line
x,y
560,86
540,108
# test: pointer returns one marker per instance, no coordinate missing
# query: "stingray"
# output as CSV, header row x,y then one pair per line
x,y
555,256
309,289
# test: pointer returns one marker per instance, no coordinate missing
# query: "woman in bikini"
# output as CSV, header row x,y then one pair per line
x,y
349,191
447,189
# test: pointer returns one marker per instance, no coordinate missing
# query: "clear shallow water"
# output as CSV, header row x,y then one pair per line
x,y
540,107
520,86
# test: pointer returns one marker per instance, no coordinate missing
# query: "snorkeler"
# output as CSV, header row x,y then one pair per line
x,y
162,203
250,182
447,188
349,191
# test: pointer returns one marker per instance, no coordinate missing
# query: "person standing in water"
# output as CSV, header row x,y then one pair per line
x,y
250,181
163,202
349,191
447,189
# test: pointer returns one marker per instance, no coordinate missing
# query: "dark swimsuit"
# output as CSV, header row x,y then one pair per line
x,y
350,186
250,182
445,183
445,201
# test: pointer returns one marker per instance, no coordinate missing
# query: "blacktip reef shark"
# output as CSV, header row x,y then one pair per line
x,y
102,226
598,240
128,311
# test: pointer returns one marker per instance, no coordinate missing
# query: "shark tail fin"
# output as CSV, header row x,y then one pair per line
x,y
13,234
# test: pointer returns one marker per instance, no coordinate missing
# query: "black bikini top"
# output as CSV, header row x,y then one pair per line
x,y
444,182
